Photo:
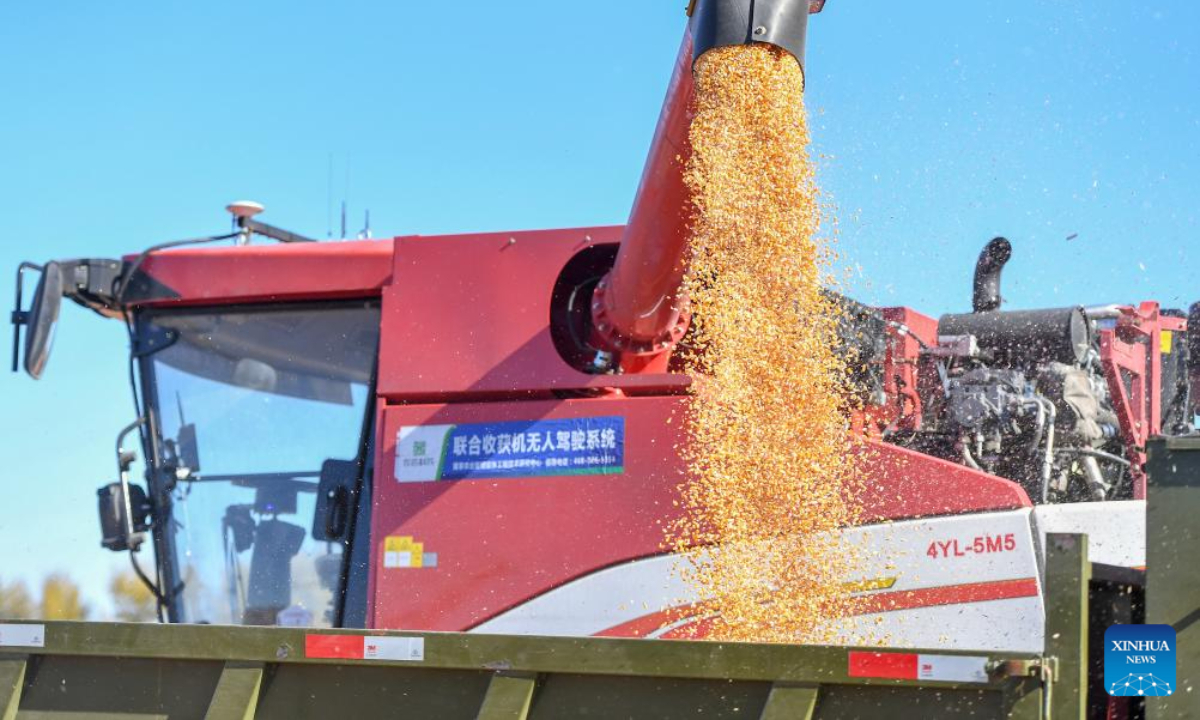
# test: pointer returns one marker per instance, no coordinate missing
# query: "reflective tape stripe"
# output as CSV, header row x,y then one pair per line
x,y
911,666
331,647
358,647
894,666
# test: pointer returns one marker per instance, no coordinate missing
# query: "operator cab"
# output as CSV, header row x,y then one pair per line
x,y
253,416
266,396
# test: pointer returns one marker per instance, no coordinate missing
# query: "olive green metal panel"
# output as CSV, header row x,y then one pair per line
x,y
790,702
12,680
119,685
1068,573
359,692
201,672
51,715
508,697
215,645
1026,700
840,703
647,698
1172,570
237,692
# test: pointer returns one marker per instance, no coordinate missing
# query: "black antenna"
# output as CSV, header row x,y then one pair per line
x,y
365,233
329,199
346,196
179,402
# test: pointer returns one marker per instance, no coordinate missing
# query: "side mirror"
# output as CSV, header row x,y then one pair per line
x,y
124,516
41,319
335,490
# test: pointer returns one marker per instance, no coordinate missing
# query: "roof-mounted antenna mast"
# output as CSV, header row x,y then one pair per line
x,y
329,199
345,198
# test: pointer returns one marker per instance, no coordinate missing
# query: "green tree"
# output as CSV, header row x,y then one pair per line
x,y
132,600
61,599
15,601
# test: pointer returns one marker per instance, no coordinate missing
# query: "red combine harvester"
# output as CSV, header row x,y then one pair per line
x,y
475,432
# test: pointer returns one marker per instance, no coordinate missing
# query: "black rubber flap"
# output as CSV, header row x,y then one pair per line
x,y
722,23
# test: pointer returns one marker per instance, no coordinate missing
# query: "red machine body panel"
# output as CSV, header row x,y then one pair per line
x,y
902,484
501,542
470,315
261,273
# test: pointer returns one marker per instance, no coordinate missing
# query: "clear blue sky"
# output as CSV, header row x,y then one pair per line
x,y
940,124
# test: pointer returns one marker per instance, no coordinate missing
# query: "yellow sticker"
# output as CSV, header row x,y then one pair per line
x,y
882,583
1165,339
401,551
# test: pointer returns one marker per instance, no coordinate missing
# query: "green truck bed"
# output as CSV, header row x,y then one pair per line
x,y
94,670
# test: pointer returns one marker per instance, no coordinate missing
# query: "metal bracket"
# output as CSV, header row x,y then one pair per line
x,y
153,340
1045,668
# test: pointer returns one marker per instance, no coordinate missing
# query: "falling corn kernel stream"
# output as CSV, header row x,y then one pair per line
x,y
768,452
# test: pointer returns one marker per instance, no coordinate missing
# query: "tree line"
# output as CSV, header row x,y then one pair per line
x,y
59,598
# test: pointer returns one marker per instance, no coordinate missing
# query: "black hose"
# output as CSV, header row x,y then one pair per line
x,y
160,601
119,293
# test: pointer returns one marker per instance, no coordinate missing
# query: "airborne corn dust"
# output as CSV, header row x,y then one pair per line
x,y
768,455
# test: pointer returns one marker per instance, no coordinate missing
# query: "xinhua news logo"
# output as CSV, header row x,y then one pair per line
x,y
1139,660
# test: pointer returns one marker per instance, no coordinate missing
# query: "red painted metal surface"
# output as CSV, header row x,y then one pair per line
x,y
902,370
1131,354
274,273
638,307
469,315
503,542
903,484
961,594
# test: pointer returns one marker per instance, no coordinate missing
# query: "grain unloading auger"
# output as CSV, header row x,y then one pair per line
x,y
475,433
637,310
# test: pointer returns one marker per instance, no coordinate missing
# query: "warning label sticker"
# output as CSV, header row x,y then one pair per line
x,y
401,551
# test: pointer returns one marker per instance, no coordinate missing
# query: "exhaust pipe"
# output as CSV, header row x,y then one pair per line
x,y
995,255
